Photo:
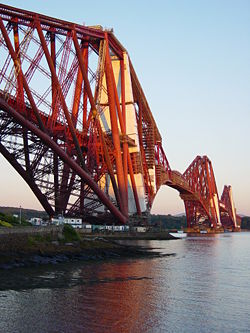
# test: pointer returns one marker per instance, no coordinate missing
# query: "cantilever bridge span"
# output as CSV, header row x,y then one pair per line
x,y
75,124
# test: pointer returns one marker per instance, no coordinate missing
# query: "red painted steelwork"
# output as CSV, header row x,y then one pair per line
x,y
58,93
72,164
229,218
125,143
114,126
200,178
20,73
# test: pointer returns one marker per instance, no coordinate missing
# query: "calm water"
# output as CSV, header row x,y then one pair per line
x,y
205,287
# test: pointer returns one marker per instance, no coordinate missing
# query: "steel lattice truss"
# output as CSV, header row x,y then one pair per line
x,y
205,205
75,124
229,218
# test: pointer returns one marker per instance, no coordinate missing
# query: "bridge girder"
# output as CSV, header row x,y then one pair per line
x,y
71,60
76,125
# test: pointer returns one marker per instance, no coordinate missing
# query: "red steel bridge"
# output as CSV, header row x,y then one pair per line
x,y
76,126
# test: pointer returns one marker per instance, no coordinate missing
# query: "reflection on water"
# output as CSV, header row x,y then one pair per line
x,y
204,288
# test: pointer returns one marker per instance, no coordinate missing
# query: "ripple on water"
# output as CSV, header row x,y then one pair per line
x,y
204,288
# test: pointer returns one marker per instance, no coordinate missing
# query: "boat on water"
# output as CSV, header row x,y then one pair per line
x,y
179,234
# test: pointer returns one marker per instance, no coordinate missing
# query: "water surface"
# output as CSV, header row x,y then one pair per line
x,y
205,287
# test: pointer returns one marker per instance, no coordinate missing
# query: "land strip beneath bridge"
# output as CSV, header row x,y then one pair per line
x,y
25,247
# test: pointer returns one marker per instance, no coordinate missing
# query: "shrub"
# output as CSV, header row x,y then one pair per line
x,y
13,220
70,233
5,224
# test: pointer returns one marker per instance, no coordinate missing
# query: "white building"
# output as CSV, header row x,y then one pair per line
x,y
75,222
37,221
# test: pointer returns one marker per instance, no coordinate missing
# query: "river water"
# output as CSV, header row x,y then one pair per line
x,y
204,287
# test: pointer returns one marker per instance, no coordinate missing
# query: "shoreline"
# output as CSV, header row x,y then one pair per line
x,y
30,249
74,253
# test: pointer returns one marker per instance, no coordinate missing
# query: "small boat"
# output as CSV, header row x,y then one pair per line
x,y
203,231
178,234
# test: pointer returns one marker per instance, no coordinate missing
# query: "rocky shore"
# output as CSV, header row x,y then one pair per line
x,y
26,250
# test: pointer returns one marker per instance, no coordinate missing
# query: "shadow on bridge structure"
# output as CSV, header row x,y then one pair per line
x,y
76,126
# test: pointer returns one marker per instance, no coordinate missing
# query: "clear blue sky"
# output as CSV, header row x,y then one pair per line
x,y
193,62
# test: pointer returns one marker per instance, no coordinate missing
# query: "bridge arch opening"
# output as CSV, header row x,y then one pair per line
x,y
168,201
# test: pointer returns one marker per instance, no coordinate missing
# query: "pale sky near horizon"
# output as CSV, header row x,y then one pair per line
x,y
193,62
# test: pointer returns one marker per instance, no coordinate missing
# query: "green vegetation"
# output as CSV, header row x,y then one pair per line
x,y
245,222
12,220
26,213
168,221
70,234
38,239
5,224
